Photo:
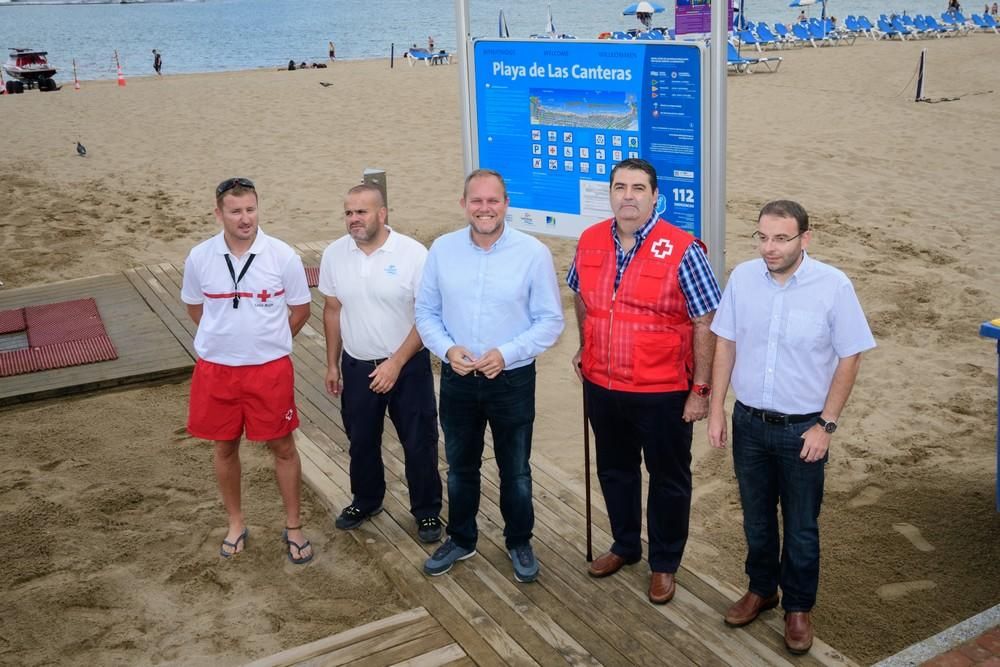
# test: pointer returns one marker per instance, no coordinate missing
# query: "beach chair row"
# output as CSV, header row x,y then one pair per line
x,y
813,33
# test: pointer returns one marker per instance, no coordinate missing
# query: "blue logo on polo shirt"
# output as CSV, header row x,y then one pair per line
x,y
391,270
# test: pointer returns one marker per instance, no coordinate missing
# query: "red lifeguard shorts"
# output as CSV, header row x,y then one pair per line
x,y
226,400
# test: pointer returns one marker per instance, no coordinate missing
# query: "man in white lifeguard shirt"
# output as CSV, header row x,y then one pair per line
x,y
247,293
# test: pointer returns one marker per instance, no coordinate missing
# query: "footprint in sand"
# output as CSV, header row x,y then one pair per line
x,y
866,496
903,588
912,533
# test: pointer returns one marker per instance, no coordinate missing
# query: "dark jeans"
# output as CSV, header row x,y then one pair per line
x,y
507,404
628,427
411,408
769,470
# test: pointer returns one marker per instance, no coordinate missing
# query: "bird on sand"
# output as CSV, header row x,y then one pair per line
x,y
81,150
325,84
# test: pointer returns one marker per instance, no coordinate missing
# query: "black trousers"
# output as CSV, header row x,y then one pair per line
x,y
411,408
630,427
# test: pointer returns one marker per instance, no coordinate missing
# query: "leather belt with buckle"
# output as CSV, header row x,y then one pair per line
x,y
769,417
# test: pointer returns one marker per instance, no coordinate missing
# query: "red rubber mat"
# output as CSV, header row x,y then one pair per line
x,y
64,334
312,276
12,321
62,322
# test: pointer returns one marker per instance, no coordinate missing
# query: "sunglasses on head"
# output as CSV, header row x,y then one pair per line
x,y
230,183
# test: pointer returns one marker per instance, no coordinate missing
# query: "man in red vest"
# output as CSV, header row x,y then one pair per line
x,y
645,297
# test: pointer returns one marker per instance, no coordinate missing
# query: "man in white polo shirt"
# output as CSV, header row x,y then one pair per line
x,y
247,293
376,360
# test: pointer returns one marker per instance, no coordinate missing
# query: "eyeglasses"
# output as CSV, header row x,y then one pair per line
x,y
780,239
230,183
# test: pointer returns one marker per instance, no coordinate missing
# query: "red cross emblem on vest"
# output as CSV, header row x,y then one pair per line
x,y
662,248
264,296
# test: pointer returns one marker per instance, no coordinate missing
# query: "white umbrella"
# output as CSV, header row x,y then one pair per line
x,y
550,27
502,27
644,11
643,8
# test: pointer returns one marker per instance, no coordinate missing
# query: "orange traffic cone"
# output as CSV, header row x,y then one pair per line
x,y
121,78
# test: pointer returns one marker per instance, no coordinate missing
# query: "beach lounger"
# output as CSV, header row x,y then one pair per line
x,y
802,34
949,30
990,22
868,27
920,24
980,23
897,25
743,65
765,36
747,37
887,30
418,55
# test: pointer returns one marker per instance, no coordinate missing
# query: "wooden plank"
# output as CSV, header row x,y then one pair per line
x,y
343,639
402,652
451,654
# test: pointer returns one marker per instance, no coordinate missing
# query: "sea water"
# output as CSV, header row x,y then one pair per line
x,y
219,35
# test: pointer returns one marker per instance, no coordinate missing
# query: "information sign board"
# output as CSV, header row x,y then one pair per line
x,y
554,117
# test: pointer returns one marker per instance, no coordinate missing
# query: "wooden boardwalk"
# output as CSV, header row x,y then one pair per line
x,y
146,349
566,616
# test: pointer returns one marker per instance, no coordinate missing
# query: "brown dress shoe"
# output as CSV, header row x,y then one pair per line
x,y
798,632
749,607
662,587
607,564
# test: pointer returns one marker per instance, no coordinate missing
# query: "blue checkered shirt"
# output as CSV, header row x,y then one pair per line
x,y
698,284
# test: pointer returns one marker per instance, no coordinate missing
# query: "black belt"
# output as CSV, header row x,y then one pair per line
x,y
374,362
769,417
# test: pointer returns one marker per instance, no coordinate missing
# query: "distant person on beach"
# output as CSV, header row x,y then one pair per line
x,y
333,52
157,62
802,17
488,305
644,299
430,44
994,10
291,65
247,294
791,333
376,361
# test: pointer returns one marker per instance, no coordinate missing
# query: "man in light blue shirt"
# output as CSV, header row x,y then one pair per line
x,y
488,305
790,337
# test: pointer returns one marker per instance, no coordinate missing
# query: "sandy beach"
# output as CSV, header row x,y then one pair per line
x,y
110,520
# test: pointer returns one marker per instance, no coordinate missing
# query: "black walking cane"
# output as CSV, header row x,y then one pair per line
x,y
586,474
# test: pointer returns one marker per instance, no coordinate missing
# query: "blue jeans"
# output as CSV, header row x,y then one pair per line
x,y
769,471
507,404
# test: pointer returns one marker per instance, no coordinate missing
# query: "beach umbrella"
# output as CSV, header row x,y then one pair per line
x,y
502,26
550,27
643,8
644,11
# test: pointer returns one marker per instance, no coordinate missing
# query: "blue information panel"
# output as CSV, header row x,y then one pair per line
x,y
554,117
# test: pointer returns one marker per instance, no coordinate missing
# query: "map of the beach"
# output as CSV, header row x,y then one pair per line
x,y
610,110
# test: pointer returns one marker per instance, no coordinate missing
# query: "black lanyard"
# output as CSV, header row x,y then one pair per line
x,y
236,280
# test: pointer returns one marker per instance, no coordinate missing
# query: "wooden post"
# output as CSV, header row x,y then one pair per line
x,y
377,178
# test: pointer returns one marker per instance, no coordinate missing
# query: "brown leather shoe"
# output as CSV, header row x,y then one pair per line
x,y
607,564
748,608
798,632
662,587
